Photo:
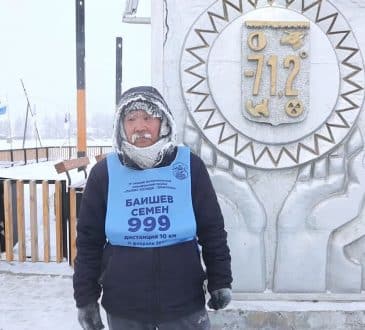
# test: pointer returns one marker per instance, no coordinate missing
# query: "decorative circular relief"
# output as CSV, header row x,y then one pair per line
x,y
213,80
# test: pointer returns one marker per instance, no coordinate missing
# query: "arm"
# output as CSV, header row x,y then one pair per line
x,y
210,228
91,237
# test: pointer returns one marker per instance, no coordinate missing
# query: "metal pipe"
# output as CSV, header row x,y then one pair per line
x,y
118,68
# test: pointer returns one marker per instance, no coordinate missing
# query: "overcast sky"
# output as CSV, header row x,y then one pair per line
x,y
37,44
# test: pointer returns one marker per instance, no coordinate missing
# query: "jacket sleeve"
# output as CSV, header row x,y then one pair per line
x,y
210,227
91,237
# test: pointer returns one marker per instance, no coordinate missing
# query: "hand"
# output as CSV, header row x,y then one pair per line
x,y
89,317
219,298
316,223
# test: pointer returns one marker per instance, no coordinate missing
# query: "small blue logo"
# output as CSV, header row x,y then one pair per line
x,y
180,171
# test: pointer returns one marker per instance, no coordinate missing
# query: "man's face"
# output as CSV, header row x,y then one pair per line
x,y
141,129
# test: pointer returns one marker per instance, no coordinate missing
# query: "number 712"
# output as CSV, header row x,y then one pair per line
x,y
273,64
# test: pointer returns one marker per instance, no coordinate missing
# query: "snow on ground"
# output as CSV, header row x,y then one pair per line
x,y
34,171
37,296
34,296
18,143
36,302
41,171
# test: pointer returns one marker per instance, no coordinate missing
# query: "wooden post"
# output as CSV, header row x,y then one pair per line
x,y
58,208
8,221
33,220
46,231
73,219
80,78
20,216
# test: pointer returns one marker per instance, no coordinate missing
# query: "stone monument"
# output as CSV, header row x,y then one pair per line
x,y
270,94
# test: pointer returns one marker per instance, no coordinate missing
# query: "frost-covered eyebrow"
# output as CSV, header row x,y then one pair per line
x,y
137,113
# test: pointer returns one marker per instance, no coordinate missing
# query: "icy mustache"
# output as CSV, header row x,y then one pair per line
x,y
137,136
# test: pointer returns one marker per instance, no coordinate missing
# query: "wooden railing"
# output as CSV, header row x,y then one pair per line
x,y
25,227
24,156
66,166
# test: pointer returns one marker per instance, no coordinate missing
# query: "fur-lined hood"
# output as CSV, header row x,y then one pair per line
x,y
149,99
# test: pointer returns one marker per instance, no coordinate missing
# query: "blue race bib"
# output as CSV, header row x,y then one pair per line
x,y
151,207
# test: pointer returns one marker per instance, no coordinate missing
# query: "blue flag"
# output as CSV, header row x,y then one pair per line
x,y
3,106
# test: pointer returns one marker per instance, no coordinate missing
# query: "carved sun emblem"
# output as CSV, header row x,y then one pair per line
x,y
235,141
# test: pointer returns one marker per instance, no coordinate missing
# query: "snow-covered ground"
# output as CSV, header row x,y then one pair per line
x,y
36,301
18,144
40,171
39,296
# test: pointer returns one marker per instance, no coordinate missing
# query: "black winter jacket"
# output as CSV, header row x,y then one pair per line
x,y
150,284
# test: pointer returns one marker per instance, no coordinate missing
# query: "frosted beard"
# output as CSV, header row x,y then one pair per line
x,y
148,157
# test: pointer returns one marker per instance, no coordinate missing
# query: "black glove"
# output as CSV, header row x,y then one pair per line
x,y
89,317
219,298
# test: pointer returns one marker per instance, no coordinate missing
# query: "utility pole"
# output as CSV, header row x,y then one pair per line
x,y
80,76
29,109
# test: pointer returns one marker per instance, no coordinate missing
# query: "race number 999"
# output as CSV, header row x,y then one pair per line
x,y
149,224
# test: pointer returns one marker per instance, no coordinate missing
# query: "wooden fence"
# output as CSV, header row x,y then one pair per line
x,y
24,156
56,230
29,231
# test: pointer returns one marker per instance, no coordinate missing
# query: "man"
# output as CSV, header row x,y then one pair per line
x,y
146,212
